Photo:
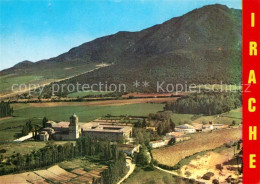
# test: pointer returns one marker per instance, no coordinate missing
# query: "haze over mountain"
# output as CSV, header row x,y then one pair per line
x,y
202,46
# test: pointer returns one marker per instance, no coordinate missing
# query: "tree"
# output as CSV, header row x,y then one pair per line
x,y
143,157
121,139
172,125
144,123
233,123
172,141
27,128
44,121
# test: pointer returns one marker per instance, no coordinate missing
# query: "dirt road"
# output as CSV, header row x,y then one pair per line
x,y
21,139
131,170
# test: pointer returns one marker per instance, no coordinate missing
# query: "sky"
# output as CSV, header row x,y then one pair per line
x,y
40,29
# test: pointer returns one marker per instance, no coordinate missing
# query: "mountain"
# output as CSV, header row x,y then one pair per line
x,y
202,46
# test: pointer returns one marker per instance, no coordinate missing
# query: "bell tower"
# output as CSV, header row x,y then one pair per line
x,y
74,127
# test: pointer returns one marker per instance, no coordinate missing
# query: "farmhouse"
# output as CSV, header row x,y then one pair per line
x,y
185,128
213,126
197,126
157,144
95,130
207,127
219,126
174,134
179,136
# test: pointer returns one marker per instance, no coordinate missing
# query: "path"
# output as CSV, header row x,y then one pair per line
x,y
21,139
131,170
176,174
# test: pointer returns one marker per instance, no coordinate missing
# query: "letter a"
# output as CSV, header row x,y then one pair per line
x,y
251,78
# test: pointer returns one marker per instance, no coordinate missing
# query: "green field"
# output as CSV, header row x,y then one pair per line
x,y
45,74
24,112
80,163
155,176
225,118
86,93
6,82
218,87
177,118
24,147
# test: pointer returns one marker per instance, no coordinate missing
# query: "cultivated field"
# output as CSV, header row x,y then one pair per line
x,y
42,77
207,163
146,95
57,174
224,118
105,102
199,142
86,93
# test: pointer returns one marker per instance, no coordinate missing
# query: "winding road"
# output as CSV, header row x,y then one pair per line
x,y
131,170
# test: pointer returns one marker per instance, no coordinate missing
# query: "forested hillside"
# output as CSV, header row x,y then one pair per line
x,y
202,46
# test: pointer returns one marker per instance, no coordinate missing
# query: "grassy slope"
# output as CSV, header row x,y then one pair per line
x,y
80,163
153,177
24,147
6,82
23,112
225,118
42,75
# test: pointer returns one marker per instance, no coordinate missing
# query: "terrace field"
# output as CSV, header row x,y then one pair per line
x,y
57,174
199,142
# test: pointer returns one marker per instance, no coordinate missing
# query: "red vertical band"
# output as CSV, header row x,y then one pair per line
x,y
251,147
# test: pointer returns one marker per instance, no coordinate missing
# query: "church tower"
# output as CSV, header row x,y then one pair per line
x,y
74,127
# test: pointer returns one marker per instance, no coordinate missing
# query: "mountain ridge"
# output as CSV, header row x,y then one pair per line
x,y
181,49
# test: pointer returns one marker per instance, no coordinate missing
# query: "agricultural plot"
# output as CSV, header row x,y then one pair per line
x,y
219,87
225,118
81,94
46,75
199,142
222,163
7,81
54,174
181,118
80,166
99,102
153,176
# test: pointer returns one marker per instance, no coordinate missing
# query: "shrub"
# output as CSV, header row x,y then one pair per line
x,y
208,175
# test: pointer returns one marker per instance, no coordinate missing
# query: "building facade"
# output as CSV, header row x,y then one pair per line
x,y
99,129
